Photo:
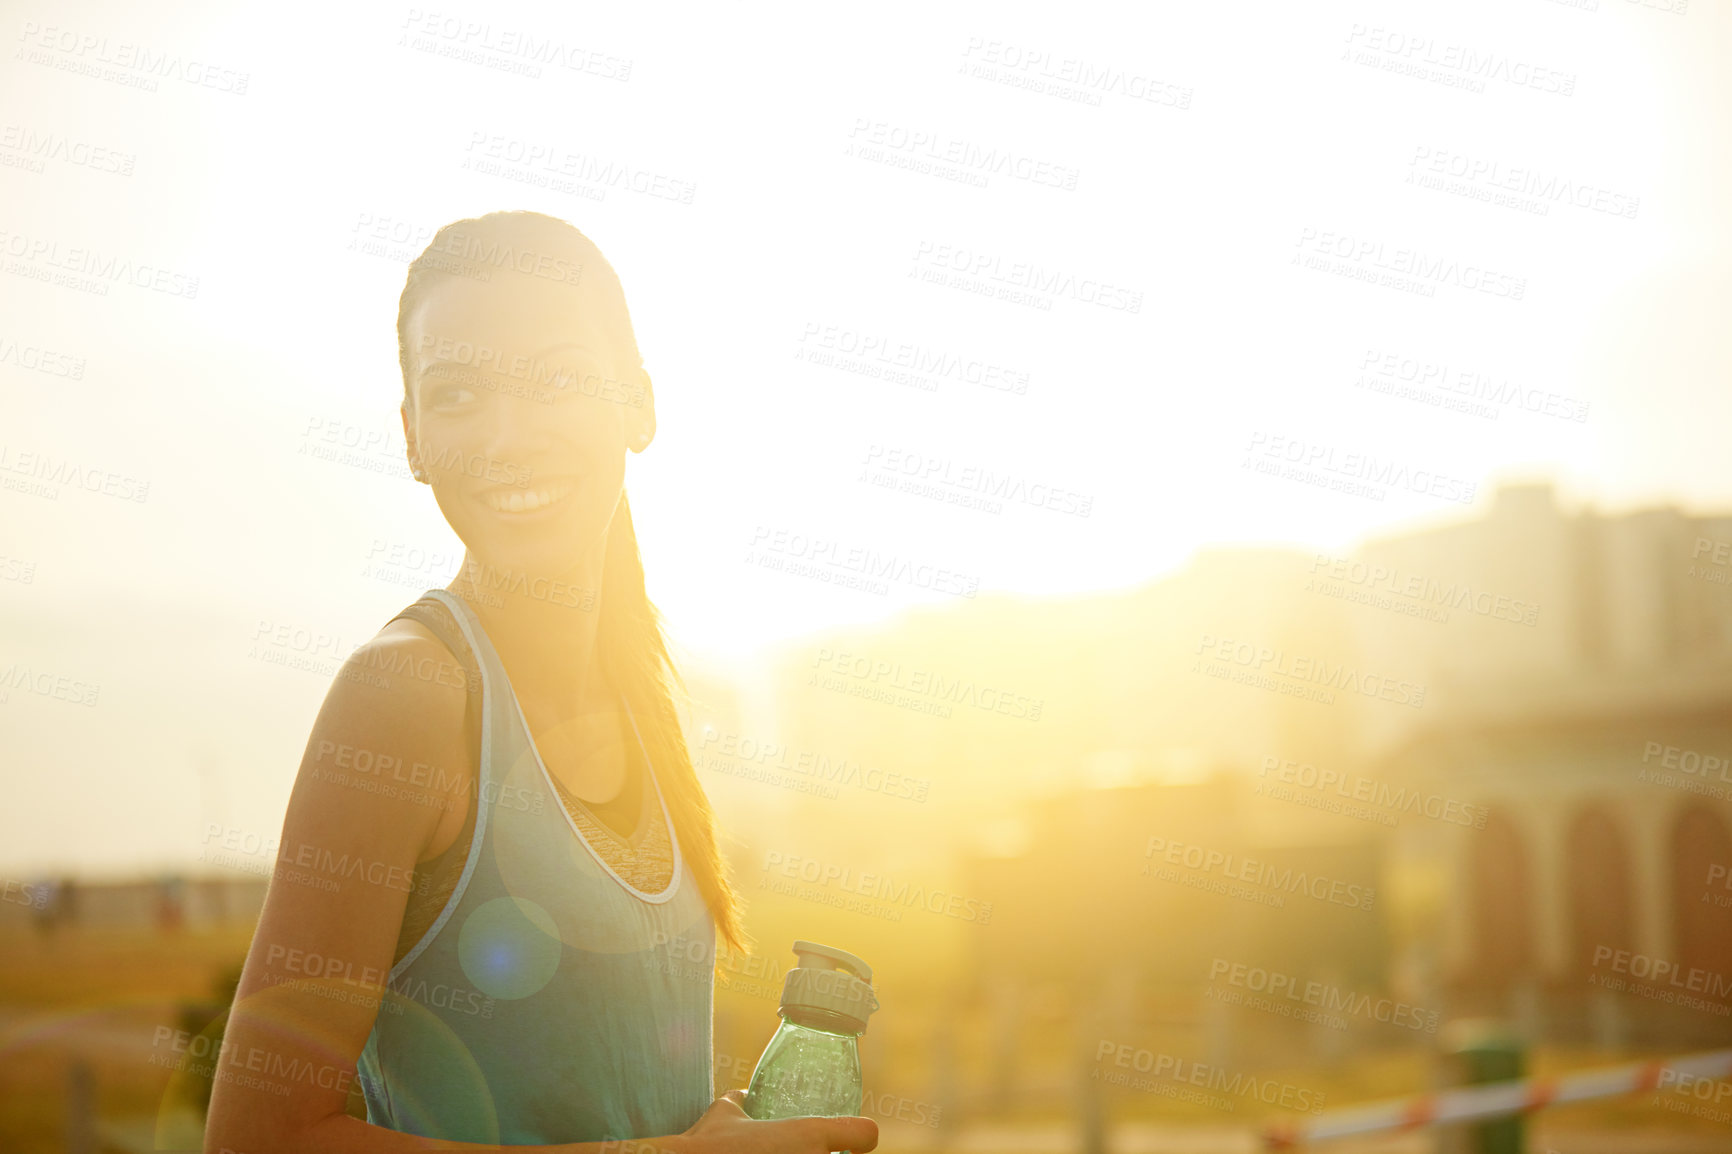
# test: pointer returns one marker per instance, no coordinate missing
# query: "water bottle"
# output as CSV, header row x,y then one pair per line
x,y
812,1065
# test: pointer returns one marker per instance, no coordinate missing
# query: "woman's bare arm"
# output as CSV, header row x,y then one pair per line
x,y
326,939
313,978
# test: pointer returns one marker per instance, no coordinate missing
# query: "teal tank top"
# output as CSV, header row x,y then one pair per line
x,y
544,1004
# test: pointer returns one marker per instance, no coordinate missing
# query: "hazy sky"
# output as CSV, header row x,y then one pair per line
x,y
1545,182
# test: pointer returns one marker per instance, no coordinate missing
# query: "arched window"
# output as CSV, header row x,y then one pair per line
x,y
1601,914
1502,903
1701,926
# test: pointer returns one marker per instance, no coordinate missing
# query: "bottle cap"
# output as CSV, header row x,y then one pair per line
x,y
830,979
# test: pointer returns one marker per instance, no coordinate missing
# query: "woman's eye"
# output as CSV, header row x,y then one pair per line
x,y
445,396
583,380
565,378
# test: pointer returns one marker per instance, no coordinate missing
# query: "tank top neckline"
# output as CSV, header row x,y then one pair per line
x,y
468,616
634,838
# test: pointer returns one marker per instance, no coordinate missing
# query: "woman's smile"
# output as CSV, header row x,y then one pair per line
x,y
517,503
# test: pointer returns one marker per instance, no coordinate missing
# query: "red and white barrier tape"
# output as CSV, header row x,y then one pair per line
x,y
1473,1103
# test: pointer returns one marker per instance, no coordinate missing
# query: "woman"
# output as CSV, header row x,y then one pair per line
x,y
496,827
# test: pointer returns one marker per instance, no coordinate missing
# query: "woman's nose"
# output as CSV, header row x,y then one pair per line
x,y
509,429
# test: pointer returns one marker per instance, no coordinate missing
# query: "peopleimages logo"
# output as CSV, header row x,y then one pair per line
x,y
808,554
37,147
558,168
1423,56
1331,999
879,887
1689,770
1414,593
518,49
1047,282
47,473
1460,389
869,138
59,686
1409,265
499,254
1673,982
102,268
388,775
25,894
569,374
879,673
1268,1091
323,860
1522,181
1274,449
878,354
39,359
135,65
1068,77
729,752
965,483
1686,760
1235,867
1661,970
1364,789
1261,659
696,959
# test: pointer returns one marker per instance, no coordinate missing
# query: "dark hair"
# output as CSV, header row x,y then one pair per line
x,y
630,633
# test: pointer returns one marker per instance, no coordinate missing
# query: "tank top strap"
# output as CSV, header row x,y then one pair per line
x,y
436,615
436,879
431,612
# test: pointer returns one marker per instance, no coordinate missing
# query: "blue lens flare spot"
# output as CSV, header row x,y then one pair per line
x,y
509,947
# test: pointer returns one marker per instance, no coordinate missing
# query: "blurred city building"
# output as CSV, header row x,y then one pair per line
x,y
1546,828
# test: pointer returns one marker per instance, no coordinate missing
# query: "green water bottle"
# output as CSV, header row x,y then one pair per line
x,y
811,1067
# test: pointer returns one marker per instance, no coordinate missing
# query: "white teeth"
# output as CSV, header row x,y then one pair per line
x,y
527,502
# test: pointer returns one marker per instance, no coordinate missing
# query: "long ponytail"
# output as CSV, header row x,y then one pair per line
x,y
635,653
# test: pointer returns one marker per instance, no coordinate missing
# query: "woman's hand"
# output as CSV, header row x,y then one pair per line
x,y
725,1129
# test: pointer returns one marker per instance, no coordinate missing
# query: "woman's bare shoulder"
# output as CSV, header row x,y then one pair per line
x,y
389,742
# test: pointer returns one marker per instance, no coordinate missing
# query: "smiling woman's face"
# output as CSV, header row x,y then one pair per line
x,y
524,405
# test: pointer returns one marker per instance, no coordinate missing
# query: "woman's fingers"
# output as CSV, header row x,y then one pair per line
x,y
856,1135
726,1122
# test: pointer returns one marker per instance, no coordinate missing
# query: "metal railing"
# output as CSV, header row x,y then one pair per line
x,y
1499,1099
